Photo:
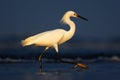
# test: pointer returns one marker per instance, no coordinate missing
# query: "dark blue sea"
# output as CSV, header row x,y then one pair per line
x,y
29,70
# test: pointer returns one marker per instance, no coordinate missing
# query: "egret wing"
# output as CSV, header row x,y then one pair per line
x,y
30,40
49,38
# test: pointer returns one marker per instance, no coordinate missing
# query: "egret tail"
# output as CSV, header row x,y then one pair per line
x,y
28,41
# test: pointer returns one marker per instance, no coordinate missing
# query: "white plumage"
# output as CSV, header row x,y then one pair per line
x,y
53,38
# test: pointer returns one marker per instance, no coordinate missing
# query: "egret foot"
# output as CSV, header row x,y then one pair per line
x,y
80,65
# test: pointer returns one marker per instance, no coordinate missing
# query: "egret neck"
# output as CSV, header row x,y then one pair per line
x,y
68,35
71,31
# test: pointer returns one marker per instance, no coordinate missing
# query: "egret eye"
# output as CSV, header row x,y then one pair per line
x,y
74,14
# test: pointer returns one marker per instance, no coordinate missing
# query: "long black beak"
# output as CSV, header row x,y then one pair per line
x,y
82,17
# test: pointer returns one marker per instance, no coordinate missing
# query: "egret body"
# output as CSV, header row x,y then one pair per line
x,y
53,38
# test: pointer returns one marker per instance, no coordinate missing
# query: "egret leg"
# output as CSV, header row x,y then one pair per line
x,y
41,65
40,58
58,57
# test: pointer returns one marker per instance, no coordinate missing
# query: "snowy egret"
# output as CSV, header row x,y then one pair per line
x,y
53,38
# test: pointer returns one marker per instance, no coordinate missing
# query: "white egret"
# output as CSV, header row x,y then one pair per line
x,y
53,38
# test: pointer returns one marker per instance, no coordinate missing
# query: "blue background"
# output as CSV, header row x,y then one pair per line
x,y
22,18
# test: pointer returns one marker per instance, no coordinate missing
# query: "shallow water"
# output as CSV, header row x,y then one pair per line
x,y
59,71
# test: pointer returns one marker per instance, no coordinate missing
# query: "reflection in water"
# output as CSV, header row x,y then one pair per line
x,y
57,76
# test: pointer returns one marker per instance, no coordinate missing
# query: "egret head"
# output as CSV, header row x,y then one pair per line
x,y
69,14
